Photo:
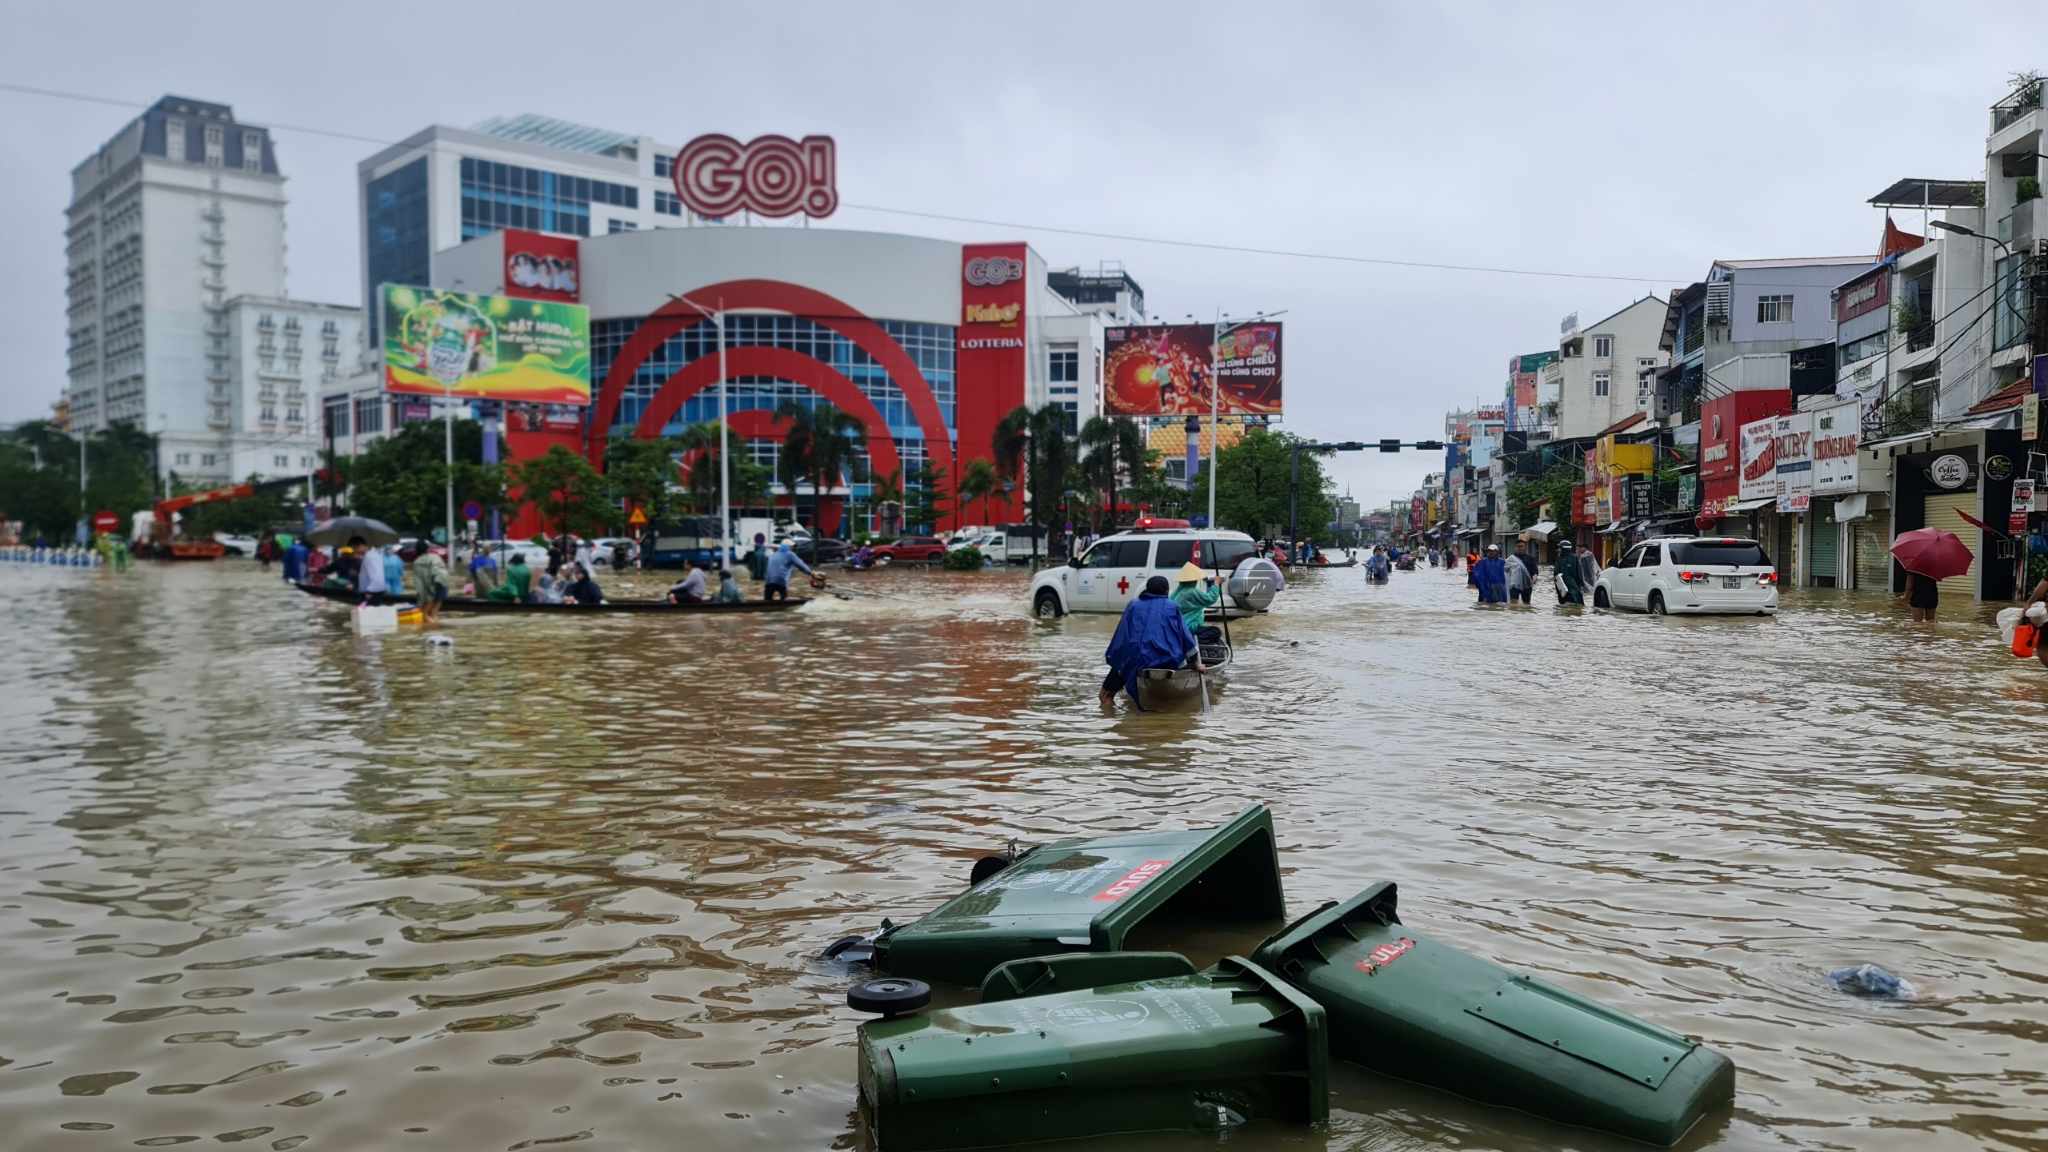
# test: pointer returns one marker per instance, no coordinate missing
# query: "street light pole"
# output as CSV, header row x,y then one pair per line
x,y
717,319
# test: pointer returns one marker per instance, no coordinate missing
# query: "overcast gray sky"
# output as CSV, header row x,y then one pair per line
x,y
1637,140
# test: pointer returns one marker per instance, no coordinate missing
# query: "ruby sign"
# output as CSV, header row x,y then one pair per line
x,y
717,175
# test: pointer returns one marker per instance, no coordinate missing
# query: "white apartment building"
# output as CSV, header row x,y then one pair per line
x,y
175,216
283,353
1604,371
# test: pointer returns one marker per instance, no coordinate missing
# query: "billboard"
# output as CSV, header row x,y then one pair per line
x,y
1792,459
484,347
1169,370
539,267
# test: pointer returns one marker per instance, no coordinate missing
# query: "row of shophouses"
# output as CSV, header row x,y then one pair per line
x,y
1818,405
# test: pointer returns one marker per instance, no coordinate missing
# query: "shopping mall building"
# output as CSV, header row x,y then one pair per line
x,y
927,342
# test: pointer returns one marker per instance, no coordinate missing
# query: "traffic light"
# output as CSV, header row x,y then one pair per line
x,y
1390,445
1430,445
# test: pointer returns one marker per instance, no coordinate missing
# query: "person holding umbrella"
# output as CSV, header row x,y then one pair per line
x,y
1929,555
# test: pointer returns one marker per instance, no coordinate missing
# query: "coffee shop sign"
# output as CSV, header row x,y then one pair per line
x,y
1950,471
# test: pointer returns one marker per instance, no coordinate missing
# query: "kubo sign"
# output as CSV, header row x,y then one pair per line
x,y
717,175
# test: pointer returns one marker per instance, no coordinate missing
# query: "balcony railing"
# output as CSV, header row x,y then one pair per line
x,y
1907,410
2024,99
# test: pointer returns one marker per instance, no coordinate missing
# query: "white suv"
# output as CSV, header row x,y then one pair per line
x,y
1691,574
1114,569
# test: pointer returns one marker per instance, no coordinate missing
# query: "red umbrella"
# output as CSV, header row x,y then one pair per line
x,y
1932,553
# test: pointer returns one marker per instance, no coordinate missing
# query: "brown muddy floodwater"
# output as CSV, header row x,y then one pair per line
x,y
262,881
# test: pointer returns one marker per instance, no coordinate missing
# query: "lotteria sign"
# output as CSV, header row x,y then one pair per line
x,y
716,175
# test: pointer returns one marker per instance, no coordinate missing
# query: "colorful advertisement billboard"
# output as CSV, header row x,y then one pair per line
x,y
485,347
991,361
539,267
1168,370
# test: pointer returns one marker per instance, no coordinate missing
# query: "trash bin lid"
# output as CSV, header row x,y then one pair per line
x,y
1087,894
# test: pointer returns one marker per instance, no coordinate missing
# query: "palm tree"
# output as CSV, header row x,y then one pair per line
x,y
1035,444
701,442
978,481
1112,444
819,446
884,491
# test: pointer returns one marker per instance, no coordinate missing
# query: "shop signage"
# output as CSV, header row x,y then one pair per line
x,y
541,267
1640,491
991,361
1759,477
2030,418
991,271
1866,295
2022,503
1711,509
1950,471
1837,432
1795,502
716,175
1688,490
1998,467
1792,455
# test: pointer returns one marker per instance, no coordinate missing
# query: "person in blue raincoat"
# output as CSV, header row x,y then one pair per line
x,y
1151,634
1491,575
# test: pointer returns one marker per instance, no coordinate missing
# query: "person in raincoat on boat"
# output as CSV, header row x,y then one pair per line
x,y
1151,634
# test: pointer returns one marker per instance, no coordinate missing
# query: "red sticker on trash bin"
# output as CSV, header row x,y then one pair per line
x,y
1133,880
1384,955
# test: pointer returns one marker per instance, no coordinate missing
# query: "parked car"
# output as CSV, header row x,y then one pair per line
x,y
1113,570
826,550
603,546
910,550
1691,574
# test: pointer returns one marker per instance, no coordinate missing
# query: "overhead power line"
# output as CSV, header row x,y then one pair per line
x,y
985,222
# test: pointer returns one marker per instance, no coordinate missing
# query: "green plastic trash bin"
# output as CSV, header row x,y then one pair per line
x,y
1095,1054
1408,1007
1086,895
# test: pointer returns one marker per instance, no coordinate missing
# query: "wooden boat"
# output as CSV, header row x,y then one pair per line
x,y
1158,684
487,607
1313,567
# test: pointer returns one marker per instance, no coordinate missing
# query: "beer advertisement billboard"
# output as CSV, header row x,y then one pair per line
x,y
485,347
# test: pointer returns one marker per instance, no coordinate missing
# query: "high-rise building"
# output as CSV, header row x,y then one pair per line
x,y
170,220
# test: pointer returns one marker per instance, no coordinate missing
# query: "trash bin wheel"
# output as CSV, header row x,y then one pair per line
x,y
988,866
890,996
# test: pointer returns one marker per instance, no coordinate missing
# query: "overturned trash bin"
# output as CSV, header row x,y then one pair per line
x,y
1414,1009
1087,895
1077,1045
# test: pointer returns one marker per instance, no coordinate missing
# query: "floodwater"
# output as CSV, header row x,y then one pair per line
x,y
266,883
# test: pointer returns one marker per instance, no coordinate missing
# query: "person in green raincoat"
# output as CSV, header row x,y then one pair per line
x,y
518,584
1194,593
1568,571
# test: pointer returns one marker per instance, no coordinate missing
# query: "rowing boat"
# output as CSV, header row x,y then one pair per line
x,y
484,606
1157,684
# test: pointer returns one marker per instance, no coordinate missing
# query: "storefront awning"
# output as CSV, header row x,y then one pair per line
x,y
1541,530
1618,526
1735,506
1853,507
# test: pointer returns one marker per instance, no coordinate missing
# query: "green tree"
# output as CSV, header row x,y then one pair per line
x,y
925,503
641,473
567,492
819,446
1114,445
978,481
403,478
886,491
1032,446
752,482
35,486
1527,497
1254,481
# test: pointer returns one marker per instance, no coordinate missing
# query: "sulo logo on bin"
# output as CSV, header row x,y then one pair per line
x,y
1133,880
1384,955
